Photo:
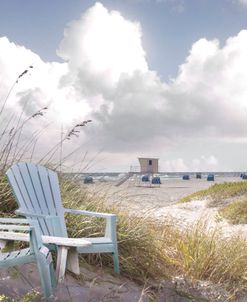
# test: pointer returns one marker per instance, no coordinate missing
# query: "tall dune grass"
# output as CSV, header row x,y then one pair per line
x,y
235,212
151,249
155,250
219,192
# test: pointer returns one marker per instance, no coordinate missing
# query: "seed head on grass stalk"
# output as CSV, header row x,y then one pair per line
x,y
76,129
9,139
48,157
10,148
12,87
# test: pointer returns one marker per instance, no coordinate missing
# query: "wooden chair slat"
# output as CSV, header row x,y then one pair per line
x,y
34,191
14,220
14,227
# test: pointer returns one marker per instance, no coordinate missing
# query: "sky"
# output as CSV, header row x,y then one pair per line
x,y
158,78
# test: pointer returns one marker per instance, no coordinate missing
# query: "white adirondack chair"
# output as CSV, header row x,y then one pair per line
x,y
37,193
37,252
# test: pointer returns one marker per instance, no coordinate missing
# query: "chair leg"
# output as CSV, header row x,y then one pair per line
x,y
52,275
116,261
45,277
73,261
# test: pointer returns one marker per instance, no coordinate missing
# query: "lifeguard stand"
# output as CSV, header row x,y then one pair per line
x,y
148,167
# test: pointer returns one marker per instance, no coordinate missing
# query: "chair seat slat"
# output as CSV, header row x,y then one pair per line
x,y
14,227
15,254
14,220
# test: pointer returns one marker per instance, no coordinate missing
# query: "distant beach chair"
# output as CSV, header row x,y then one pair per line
x,y
88,180
244,176
37,193
37,252
198,175
186,177
210,177
145,178
156,180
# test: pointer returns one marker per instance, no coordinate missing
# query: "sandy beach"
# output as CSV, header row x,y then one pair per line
x,y
161,201
143,197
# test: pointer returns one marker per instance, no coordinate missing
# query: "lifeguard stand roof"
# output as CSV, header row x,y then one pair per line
x,y
148,165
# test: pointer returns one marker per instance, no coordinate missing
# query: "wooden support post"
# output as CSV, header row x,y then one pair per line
x,y
73,261
61,262
3,244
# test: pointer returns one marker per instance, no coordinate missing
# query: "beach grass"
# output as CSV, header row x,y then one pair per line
x,y
218,192
155,250
140,255
7,201
235,212
203,255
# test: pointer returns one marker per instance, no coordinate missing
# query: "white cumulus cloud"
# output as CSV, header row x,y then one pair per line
x,y
244,2
104,45
105,76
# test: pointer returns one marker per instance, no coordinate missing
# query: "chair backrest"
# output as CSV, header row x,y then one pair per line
x,y
37,191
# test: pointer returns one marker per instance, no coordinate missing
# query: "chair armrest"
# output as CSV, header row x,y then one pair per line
x,y
61,241
89,213
65,241
110,229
